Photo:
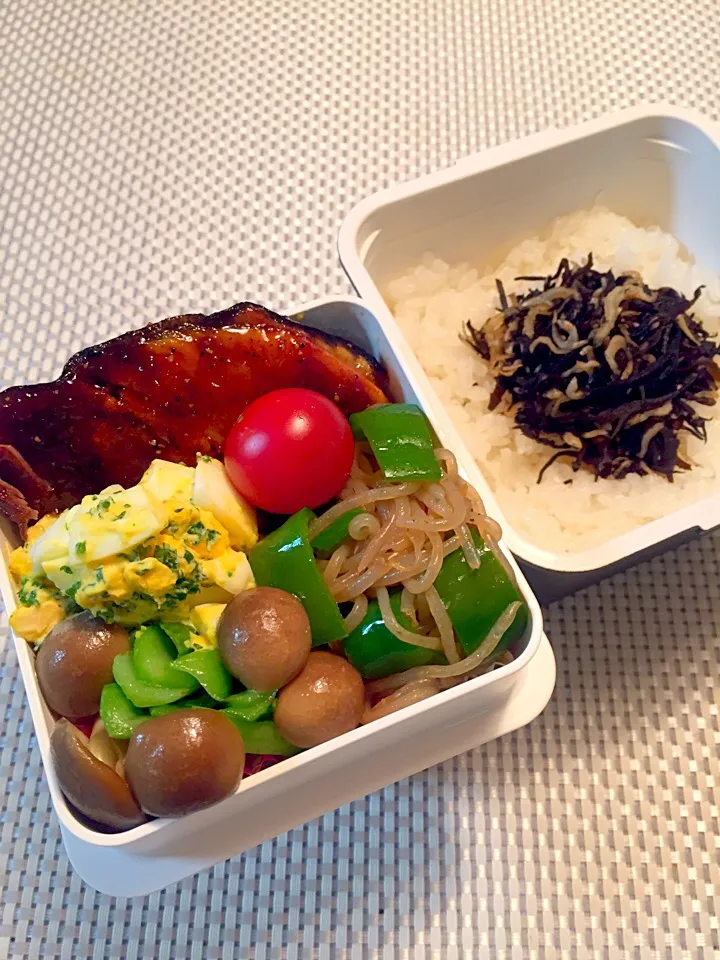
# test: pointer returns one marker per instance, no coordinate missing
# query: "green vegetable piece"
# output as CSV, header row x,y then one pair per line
x,y
168,708
27,595
261,737
190,703
179,633
251,705
207,667
119,715
357,430
138,692
401,439
375,652
474,599
154,660
331,538
285,559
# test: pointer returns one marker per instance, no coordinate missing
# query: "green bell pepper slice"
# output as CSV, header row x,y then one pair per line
x,y
285,559
261,736
251,705
190,703
138,692
180,634
207,667
401,439
154,659
474,599
375,652
119,714
331,537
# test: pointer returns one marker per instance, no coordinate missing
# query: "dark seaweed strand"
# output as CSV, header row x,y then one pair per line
x,y
640,371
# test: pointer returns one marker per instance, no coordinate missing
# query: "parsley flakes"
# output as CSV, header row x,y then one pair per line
x,y
27,594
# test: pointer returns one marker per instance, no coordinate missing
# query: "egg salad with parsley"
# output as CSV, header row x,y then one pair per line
x,y
170,548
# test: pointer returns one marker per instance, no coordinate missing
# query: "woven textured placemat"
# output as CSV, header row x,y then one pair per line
x,y
157,158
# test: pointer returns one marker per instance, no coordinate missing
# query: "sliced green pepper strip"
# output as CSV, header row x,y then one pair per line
x,y
401,439
138,692
261,737
375,652
357,431
331,537
207,667
154,659
474,599
179,633
119,715
191,703
285,559
251,705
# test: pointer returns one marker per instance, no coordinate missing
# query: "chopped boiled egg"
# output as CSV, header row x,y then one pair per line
x,y
59,572
20,563
52,541
168,481
43,524
206,536
40,607
135,610
231,571
152,551
150,576
106,525
170,550
208,593
205,619
213,491
33,622
118,585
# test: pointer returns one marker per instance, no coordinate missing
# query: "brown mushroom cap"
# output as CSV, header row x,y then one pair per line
x,y
264,637
325,700
184,761
88,783
74,663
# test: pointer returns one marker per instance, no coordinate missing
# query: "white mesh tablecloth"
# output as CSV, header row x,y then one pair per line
x,y
158,158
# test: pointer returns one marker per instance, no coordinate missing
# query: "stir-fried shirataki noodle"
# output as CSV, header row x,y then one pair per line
x,y
216,617
400,539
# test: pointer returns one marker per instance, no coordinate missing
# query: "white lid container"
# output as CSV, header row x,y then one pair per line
x,y
655,165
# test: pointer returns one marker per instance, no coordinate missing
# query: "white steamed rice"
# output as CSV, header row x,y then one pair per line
x,y
432,302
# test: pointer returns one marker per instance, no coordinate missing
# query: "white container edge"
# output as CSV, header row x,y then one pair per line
x,y
162,834
702,515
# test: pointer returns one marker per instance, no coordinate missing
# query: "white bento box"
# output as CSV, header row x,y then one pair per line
x,y
321,779
656,165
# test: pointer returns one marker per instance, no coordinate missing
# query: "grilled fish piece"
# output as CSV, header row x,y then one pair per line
x,y
171,389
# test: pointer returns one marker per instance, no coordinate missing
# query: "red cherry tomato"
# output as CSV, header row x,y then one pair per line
x,y
292,448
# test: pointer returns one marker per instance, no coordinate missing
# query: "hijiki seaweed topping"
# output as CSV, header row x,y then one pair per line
x,y
601,367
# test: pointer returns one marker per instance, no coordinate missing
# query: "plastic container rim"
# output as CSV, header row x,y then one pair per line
x,y
196,822
704,514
